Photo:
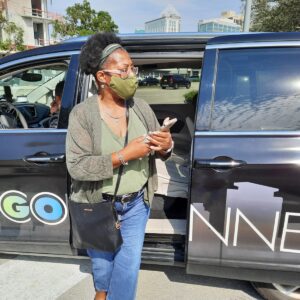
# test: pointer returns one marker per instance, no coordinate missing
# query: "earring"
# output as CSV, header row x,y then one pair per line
x,y
102,86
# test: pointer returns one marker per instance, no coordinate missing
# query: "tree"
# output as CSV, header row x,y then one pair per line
x,y
2,21
14,33
81,19
275,15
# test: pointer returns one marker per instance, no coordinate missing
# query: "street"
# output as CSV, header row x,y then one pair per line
x,y
47,278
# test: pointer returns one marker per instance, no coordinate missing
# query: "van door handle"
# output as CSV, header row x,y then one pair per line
x,y
218,164
45,158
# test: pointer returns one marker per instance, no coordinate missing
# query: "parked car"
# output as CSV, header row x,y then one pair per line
x,y
239,216
148,81
194,78
174,81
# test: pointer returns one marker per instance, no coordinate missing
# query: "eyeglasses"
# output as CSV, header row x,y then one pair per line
x,y
124,73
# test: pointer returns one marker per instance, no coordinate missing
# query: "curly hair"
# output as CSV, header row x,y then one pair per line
x,y
59,88
91,51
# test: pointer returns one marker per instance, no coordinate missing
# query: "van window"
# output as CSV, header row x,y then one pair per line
x,y
35,92
168,81
257,89
159,82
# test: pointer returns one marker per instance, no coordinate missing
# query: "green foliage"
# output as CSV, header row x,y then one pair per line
x,y
275,15
5,45
191,96
82,20
2,21
15,35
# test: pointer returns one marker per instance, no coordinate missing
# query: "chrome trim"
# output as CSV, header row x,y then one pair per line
x,y
170,55
210,163
254,45
246,133
151,36
212,99
45,159
37,57
32,130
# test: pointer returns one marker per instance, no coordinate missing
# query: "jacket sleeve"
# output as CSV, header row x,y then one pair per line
x,y
82,164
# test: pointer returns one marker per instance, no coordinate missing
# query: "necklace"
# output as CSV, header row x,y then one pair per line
x,y
115,119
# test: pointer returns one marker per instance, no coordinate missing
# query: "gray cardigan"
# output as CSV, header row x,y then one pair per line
x,y
85,163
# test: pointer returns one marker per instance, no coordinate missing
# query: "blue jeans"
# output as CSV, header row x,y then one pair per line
x,y
117,273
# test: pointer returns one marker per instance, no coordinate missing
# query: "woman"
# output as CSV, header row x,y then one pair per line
x,y
95,151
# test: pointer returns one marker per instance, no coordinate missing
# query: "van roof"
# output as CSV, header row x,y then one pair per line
x,y
162,42
132,42
130,38
253,37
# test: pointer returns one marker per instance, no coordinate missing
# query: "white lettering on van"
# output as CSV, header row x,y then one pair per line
x,y
241,215
286,230
223,239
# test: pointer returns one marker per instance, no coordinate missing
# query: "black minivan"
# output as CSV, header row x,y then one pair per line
x,y
174,81
228,200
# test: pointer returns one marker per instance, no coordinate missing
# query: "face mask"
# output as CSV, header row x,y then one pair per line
x,y
124,88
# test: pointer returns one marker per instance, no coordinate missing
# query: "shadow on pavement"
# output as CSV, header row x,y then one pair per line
x,y
178,274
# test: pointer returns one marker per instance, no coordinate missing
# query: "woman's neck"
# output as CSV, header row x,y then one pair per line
x,y
110,101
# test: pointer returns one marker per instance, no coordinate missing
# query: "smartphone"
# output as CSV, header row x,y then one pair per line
x,y
167,124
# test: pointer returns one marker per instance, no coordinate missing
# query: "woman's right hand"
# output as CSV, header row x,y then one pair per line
x,y
136,148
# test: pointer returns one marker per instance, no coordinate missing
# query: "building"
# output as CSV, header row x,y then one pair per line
x,y
33,17
231,15
139,30
218,25
228,22
168,22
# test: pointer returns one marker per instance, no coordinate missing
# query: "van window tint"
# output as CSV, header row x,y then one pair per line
x,y
34,92
257,89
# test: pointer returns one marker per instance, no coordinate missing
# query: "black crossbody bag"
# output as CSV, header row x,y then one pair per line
x,y
96,225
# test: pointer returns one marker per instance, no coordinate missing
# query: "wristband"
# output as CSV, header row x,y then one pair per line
x,y
121,159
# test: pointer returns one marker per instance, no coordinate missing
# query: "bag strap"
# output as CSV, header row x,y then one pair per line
x,y
122,166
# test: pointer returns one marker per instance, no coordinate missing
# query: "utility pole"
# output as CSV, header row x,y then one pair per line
x,y
247,15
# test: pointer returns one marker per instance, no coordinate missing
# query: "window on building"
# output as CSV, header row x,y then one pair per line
x,y
36,8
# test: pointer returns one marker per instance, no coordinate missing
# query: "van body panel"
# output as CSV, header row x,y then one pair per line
x,y
34,185
245,196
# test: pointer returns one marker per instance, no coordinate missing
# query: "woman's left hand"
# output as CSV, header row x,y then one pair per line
x,y
160,140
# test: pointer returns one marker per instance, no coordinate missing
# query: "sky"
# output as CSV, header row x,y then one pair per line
x,y
132,14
